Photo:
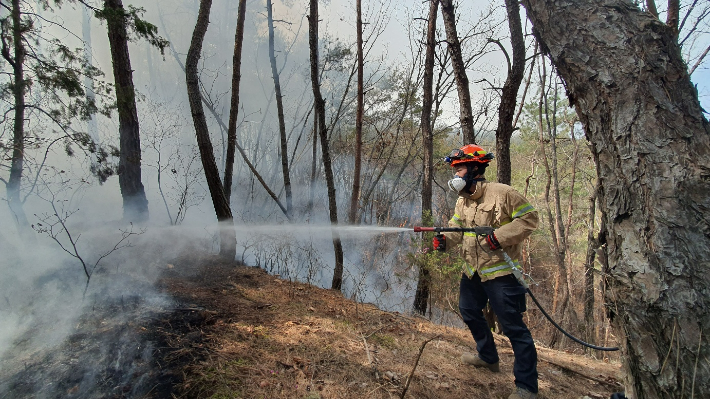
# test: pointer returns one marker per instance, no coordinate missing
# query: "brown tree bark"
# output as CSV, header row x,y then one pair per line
x,y
509,93
323,133
17,61
454,45
421,298
547,133
589,271
280,111
135,203
627,80
673,16
560,244
234,101
355,195
651,7
228,243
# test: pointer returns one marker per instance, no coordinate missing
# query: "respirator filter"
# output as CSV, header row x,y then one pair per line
x,y
457,184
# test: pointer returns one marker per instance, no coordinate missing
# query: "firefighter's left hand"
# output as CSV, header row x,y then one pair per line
x,y
492,241
439,242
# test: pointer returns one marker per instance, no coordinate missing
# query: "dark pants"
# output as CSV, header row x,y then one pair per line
x,y
507,298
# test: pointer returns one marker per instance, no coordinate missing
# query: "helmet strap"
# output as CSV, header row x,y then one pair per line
x,y
473,171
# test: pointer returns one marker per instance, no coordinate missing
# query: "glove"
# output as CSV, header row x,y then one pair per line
x,y
492,242
440,242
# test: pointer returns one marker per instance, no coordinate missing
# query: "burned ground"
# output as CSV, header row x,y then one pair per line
x,y
233,331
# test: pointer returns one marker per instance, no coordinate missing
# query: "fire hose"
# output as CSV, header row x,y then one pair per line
x,y
517,272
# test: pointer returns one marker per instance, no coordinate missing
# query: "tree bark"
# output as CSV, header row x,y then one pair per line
x,y
234,101
323,133
560,243
92,126
355,195
228,243
280,111
673,16
589,271
421,298
454,45
546,134
18,136
651,7
509,94
627,80
135,203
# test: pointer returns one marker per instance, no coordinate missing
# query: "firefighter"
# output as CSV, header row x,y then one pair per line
x,y
487,277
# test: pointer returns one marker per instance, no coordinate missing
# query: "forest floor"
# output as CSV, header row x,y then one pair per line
x,y
234,331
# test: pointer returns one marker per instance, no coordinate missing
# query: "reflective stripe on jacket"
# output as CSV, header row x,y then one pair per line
x,y
500,206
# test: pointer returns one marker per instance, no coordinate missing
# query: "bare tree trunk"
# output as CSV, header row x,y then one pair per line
x,y
592,245
466,116
323,133
560,296
234,101
314,160
560,235
280,111
421,297
651,7
355,195
255,173
509,94
92,126
17,61
673,16
628,83
228,242
135,203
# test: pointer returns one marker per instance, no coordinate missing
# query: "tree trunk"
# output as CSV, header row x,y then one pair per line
x,y
14,182
355,195
323,133
560,235
228,243
234,102
92,126
548,133
421,297
135,204
589,271
509,94
280,111
454,45
628,83
314,160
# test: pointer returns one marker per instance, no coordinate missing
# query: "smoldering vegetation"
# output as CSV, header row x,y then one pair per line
x,y
62,337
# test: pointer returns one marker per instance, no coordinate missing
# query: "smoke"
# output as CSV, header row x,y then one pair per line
x,y
71,305
60,336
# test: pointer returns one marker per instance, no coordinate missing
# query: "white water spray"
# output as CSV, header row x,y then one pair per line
x,y
310,229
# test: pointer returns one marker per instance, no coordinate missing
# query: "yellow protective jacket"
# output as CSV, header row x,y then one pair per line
x,y
500,206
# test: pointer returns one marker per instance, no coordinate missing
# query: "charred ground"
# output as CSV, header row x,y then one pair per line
x,y
232,331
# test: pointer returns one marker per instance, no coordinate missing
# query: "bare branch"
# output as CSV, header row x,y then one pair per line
x,y
699,61
505,52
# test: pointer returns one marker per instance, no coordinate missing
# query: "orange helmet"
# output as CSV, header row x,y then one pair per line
x,y
469,153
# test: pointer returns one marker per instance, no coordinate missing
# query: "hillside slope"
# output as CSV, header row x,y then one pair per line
x,y
263,337
222,330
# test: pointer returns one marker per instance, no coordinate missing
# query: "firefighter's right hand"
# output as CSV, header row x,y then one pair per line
x,y
440,242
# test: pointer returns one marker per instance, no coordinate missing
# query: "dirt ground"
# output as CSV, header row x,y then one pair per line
x,y
263,337
238,332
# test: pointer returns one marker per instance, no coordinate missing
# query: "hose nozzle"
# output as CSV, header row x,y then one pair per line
x,y
419,229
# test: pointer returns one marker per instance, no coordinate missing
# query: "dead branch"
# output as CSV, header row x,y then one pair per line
x,y
416,362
